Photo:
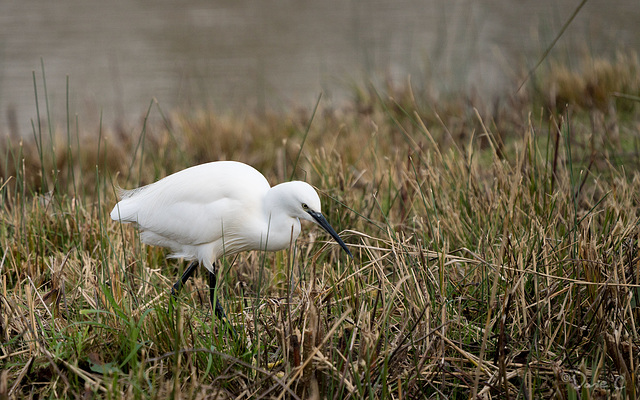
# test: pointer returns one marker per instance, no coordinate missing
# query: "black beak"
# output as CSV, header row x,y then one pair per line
x,y
322,221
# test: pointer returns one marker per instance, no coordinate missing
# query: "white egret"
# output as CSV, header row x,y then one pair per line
x,y
220,208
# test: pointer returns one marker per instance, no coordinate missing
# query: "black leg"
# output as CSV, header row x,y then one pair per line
x,y
184,278
215,303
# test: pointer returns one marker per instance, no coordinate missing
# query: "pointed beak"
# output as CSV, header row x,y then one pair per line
x,y
322,221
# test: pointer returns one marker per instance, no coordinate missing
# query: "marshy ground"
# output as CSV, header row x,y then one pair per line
x,y
496,251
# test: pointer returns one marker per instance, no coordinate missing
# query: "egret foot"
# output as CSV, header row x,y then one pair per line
x,y
217,306
215,303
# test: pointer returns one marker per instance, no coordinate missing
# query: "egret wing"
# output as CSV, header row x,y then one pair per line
x,y
197,205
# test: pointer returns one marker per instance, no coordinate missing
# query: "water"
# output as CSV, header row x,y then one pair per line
x,y
241,56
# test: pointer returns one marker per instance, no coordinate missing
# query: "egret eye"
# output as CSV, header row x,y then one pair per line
x,y
305,206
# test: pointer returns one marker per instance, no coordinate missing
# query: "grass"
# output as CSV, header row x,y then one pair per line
x,y
496,253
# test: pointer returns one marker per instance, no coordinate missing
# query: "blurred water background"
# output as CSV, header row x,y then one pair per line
x,y
246,56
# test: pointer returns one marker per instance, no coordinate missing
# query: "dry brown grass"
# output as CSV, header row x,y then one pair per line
x,y
496,255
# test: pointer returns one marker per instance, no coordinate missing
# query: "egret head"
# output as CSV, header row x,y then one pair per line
x,y
303,202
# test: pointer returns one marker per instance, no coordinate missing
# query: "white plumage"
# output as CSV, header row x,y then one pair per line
x,y
218,208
